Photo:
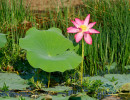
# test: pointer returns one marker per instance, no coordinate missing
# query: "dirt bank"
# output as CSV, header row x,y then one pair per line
x,y
42,5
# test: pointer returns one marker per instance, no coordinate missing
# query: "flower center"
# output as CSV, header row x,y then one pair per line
x,y
83,27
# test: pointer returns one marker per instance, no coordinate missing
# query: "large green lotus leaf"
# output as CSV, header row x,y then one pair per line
x,y
13,81
47,42
49,50
48,63
57,30
60,32
2,40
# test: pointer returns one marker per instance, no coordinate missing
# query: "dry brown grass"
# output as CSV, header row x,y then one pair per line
x,y
42,5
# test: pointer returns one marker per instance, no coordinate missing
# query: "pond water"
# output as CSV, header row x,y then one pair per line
x,y
65,92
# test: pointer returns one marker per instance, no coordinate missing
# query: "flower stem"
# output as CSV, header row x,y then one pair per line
x,y
82,61
49,79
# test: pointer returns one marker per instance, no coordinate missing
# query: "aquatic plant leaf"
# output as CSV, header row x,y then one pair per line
x,y
107,85
127,67
112,82
49,50
13,81
2,40
104,80
81,96
60,98
125,87
57,30
8,98
119,77
118,80
98,78
57,89
112,66
57,97
86,97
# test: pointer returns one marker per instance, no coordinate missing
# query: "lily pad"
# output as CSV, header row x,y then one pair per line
x,y
112,82
120,78
125,87
13,81
19,98
81,96
99,78
60,98
2,40
49,50
8,98
58,89
107,85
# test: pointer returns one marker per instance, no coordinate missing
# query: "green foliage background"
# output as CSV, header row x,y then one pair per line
x,y
111,45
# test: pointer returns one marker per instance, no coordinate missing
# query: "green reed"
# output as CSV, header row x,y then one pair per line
x,y
12,14
111,45
112,17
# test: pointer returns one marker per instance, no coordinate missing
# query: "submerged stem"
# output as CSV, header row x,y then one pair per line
x,y
49,79
82,61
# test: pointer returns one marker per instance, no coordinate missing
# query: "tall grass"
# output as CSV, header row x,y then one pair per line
x,y
112,17
12,14
112,44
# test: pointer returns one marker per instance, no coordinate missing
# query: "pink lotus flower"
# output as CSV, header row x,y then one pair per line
x,y
83,28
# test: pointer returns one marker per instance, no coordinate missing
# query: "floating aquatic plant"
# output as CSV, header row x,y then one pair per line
x,y
12,81
112,82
